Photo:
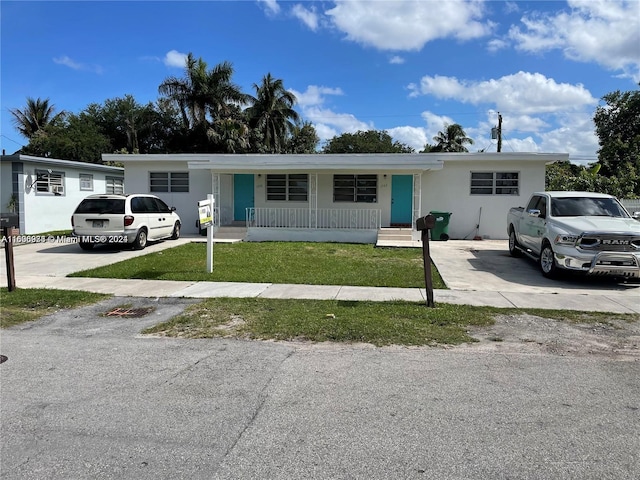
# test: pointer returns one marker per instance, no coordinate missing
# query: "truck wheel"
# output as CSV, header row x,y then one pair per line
x,y
176,231
514,251
141,240
547,262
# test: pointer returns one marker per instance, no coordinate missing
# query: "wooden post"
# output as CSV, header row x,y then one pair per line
x,y
7,234
424,224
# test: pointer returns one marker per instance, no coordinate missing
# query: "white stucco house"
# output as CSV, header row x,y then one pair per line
x,y
322,197
44,192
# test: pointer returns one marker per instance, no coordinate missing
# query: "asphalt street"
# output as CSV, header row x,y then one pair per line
x,y
85,396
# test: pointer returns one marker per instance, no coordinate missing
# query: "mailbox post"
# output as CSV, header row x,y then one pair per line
x,y
424,224
9,223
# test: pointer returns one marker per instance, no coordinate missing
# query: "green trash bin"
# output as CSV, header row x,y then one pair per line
x,y
439,232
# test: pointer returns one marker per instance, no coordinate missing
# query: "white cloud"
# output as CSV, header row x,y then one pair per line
x,y
408,24
327,122
518,94
496,44
396,60
342,122
314,95
603,31
174,58
415,137
307,16
68,62
271,7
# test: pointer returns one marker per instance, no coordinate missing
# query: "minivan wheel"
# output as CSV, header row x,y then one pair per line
x,y
86,245
141,240
547,262
176,231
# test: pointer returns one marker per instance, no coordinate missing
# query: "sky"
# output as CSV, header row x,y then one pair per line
x,y
407,67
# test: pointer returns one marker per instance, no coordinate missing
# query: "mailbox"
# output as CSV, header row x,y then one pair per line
x,y
426,223
9,220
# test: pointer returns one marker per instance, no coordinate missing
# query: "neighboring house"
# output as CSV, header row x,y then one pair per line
x,y
322,197
44,192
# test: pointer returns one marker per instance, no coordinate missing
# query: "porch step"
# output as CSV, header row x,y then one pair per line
x,y
230,234
396,237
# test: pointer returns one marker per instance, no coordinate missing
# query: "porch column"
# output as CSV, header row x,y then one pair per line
x,y
313,200
417,198
215,190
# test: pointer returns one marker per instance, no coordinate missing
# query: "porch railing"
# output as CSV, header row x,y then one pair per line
x,y
367,219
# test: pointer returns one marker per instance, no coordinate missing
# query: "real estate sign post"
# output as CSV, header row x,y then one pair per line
x,y
205,216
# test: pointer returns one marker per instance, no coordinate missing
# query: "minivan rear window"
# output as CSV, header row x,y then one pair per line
x,y
101,205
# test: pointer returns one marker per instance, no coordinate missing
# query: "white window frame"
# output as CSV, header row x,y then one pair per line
x,y
49,183
114,185
355,188
86,182
494,183
174,182
292,187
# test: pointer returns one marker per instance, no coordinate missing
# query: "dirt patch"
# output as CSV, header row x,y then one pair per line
x,y
531,334
232,327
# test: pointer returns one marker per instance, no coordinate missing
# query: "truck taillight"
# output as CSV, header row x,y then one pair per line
x,y
128,220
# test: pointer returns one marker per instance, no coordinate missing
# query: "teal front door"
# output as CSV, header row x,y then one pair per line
x,y
401,199
242,195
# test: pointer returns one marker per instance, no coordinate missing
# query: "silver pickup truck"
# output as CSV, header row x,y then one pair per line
x,y
576,231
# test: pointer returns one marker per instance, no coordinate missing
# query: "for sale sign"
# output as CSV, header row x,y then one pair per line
x,y
205,213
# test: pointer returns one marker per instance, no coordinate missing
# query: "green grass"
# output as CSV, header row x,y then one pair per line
x,y
279,262
378,323
24,305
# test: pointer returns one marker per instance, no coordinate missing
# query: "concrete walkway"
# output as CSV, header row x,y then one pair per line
x,y
479,273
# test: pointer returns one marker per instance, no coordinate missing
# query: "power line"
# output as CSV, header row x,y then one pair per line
x,y
11,140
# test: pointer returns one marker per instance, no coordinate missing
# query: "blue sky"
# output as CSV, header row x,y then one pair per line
x,y
408,67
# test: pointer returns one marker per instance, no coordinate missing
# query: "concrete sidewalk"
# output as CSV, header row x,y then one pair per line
x,y
479,273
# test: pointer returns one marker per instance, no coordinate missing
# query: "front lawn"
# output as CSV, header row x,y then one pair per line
x,y
279,262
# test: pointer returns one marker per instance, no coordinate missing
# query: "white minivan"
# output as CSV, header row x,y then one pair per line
x,y
131,219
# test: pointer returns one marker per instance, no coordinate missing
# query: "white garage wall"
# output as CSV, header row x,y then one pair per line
x,y
448,190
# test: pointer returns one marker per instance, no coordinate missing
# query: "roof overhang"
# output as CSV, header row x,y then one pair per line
x,y
361,163
55,162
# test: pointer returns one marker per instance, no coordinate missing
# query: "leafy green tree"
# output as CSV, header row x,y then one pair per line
x,y
304,139
126,123
37,115
566,176
428,148
272,114
76,138
453,139
618,129
370,141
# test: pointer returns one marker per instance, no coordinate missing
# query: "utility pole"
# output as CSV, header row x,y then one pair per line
x,y
499,132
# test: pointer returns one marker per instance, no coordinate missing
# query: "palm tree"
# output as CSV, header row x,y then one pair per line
x,y
232,135
35,117
272,113
453,139
203,92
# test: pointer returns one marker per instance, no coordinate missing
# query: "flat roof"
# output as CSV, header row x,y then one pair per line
x,y
62,163
375,162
